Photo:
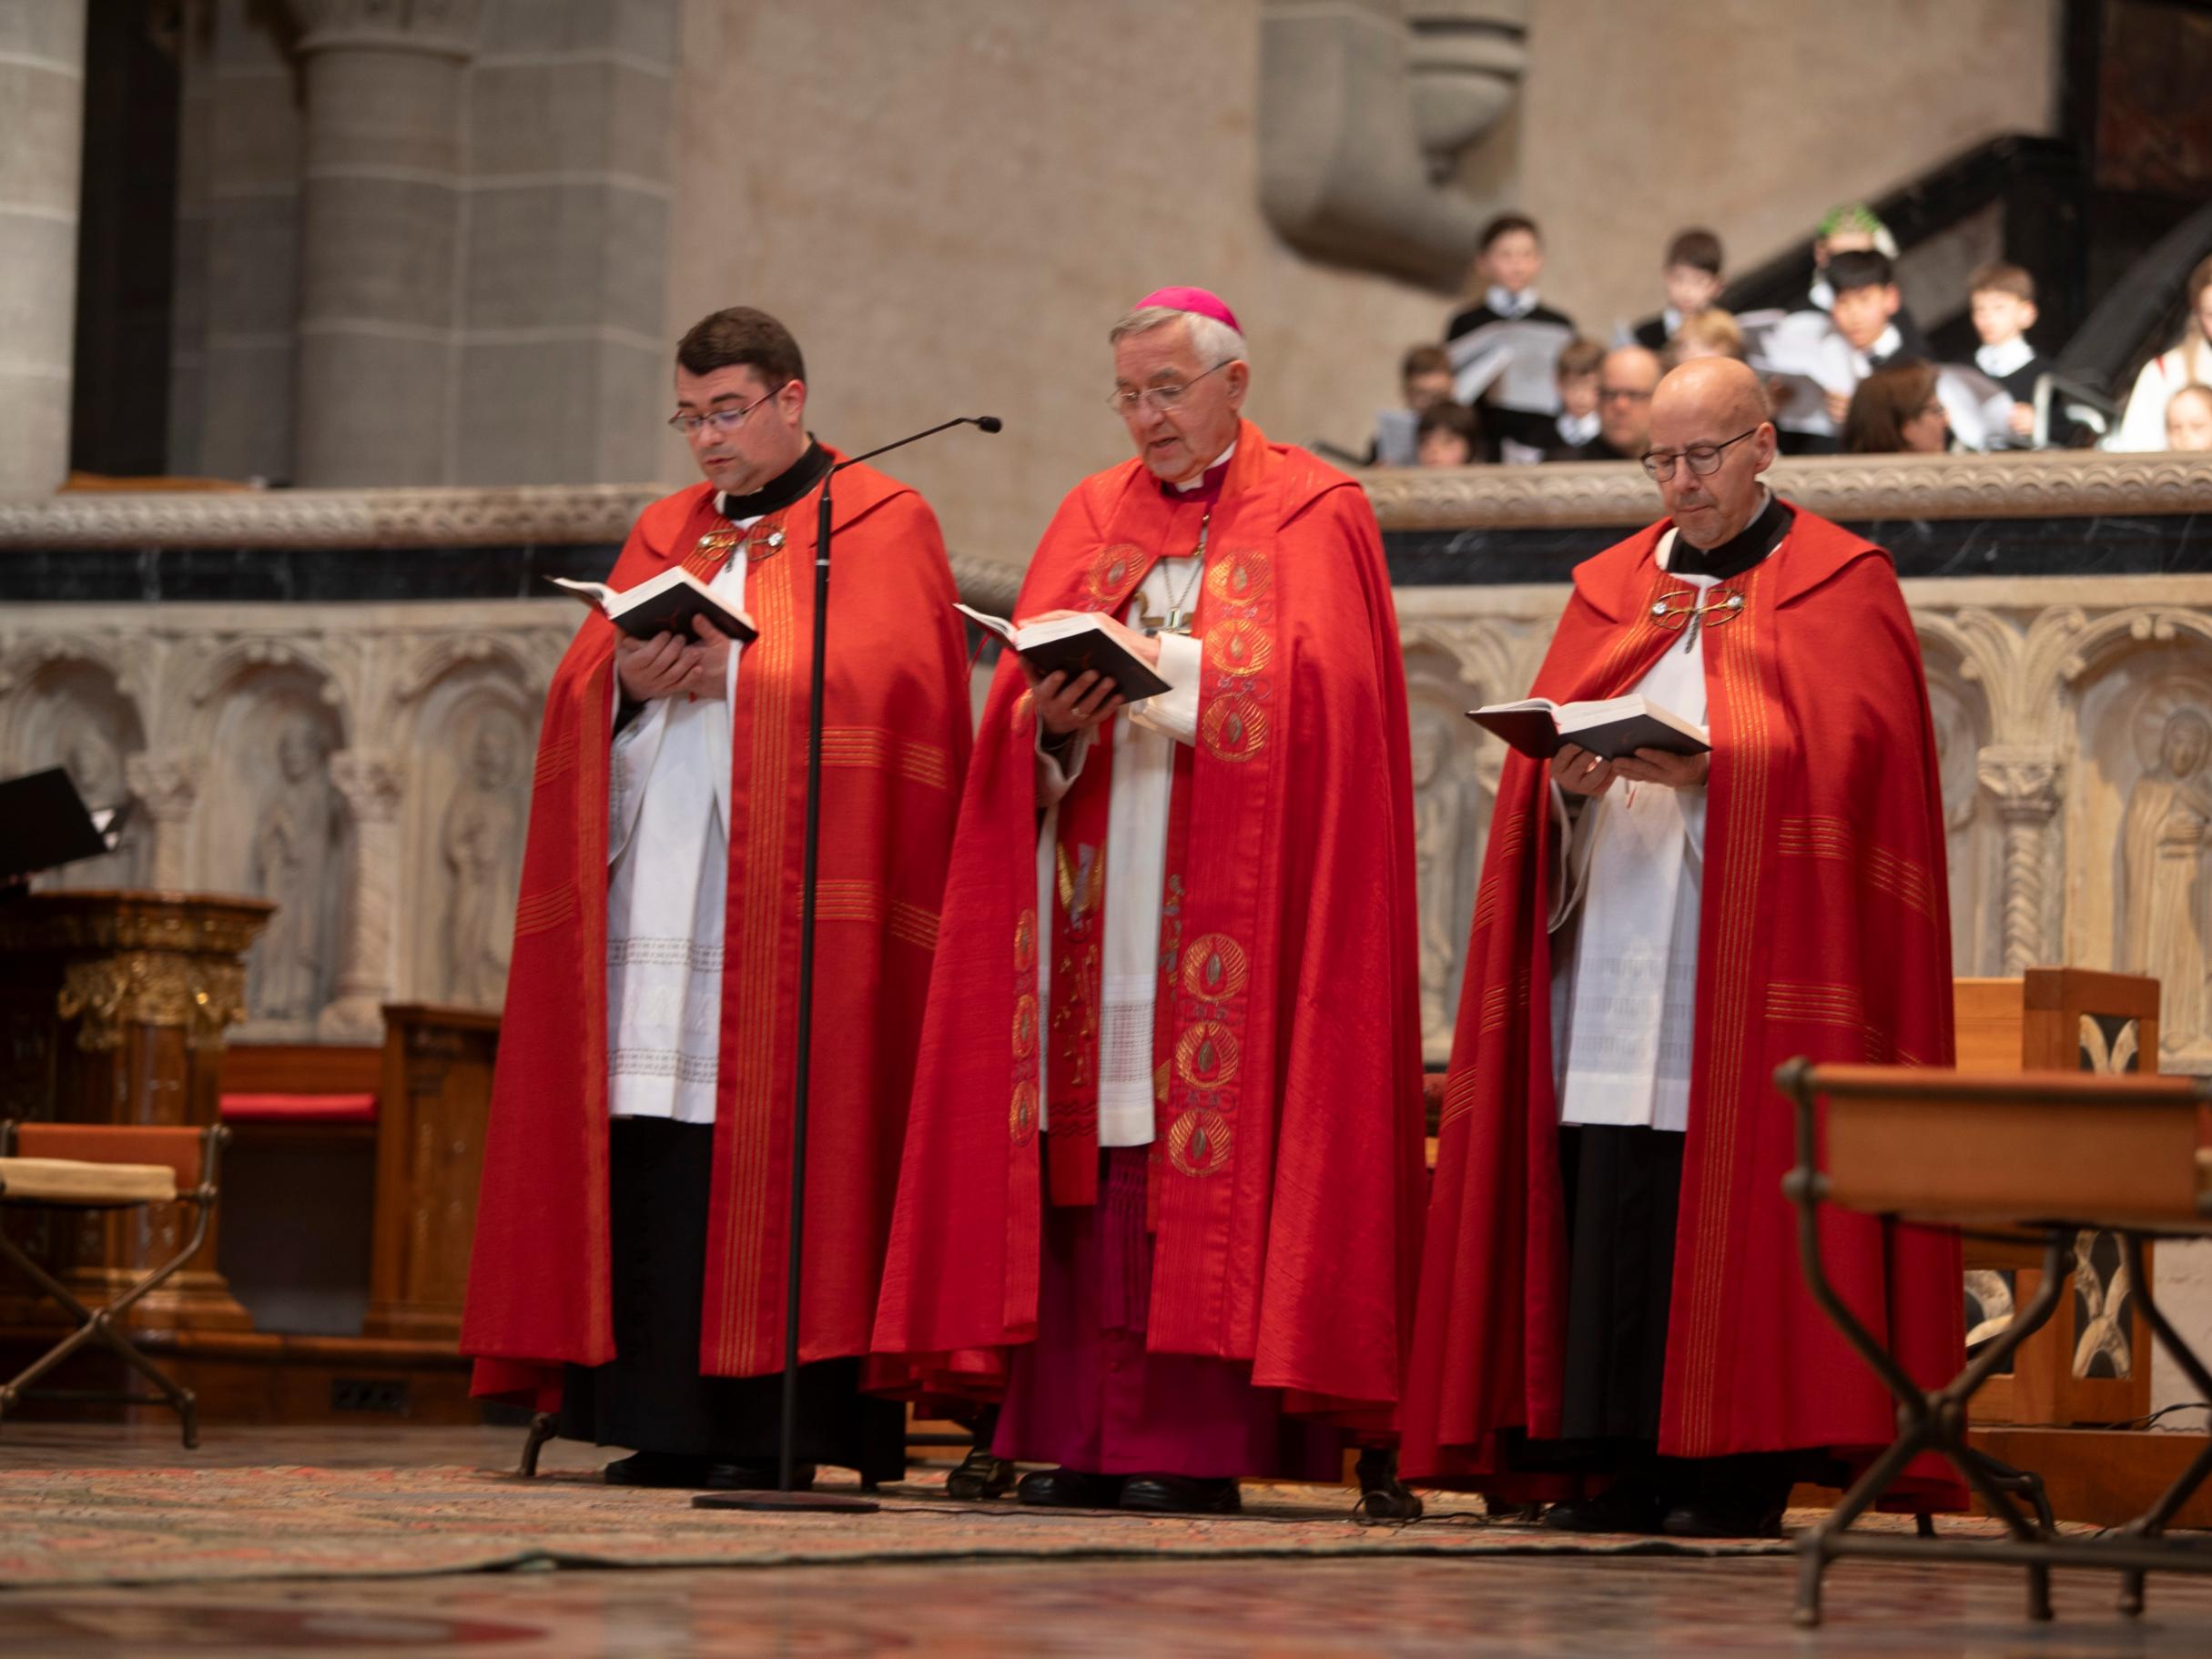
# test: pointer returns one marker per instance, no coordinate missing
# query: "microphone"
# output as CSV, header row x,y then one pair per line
x,y
988,423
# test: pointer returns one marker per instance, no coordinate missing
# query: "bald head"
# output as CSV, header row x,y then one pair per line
x,y
1712,403
1719,387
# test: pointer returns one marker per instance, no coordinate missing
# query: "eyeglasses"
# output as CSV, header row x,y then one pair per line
x,y
1711,608
721,419
1160,398
1704,458
1622,394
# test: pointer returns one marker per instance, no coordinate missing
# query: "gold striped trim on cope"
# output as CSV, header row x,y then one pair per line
x,y
848,901
556,757
1459,1096
1732,661
545,911
1885,872
1820,1004
872,746
1486,903
911,925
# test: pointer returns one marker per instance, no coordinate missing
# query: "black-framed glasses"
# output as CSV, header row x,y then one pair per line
x,y
1703,459
1160,398
721,419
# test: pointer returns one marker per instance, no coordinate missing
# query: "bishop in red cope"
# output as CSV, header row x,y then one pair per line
x,y
1163,1164
630,1261
1611,1311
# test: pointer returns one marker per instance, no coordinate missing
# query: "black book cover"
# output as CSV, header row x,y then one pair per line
x,y
671,612
1093,648
44,824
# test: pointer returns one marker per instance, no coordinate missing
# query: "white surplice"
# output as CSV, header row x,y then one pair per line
x,y
668,813
1624,991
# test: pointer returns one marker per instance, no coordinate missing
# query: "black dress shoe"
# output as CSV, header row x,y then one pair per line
x,y
755,1477
1623,1507
980,1476
1069,1489
1723,1518
1180,1494
657,1469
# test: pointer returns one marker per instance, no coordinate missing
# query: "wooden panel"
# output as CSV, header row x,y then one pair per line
x,y
1987,1014
2103,1476
2055,999
1953,1146
301,1068
434,1102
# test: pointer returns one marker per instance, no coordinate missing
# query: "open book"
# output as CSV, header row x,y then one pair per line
x,y
660,604
1073,645
44,824
1519,356
1613,728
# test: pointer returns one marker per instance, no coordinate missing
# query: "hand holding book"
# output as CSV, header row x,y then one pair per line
x,y
668,664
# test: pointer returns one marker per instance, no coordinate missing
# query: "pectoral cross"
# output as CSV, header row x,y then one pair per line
x,y
1176,620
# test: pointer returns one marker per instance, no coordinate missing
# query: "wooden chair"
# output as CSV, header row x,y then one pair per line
x,y
75,1167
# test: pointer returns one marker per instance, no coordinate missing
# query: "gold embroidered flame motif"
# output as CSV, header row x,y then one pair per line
x,y
1238,579
1199,1143
1206,1055
1234,728
1215,968
1239,646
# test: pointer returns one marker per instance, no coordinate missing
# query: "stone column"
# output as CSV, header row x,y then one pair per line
x,y
370,783
379,231
2024,783
168,785
42,89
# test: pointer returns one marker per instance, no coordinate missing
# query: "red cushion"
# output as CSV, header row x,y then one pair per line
x,y
300,1108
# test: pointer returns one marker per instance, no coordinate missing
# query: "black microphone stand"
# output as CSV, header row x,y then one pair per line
x,y
783,1498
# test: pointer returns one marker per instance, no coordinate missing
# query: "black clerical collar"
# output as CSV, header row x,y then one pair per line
x,y
779,491
1739,553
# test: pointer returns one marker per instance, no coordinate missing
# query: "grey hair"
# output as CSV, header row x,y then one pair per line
x,y
1211,338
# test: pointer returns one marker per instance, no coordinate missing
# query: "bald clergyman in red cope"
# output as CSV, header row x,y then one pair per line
x,y
629,1260
1164,1150
1611,1307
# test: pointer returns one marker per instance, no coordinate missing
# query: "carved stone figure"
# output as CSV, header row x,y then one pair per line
x,y
291,853
482,843
94,764
2169,820
1439,828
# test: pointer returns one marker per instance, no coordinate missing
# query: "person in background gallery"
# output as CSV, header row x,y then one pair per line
x,y
1712,332
1450,435
1627,376
1425,379
1609,1314
1693,273
2188,420
1868,313
629,1269
1895,410
1165,1151
1509,259
2003,300
2188,363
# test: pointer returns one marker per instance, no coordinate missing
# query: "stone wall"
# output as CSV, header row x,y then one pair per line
x,y
1753,117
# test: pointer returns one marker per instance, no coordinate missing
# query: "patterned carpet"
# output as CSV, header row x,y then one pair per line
x,y
78,1527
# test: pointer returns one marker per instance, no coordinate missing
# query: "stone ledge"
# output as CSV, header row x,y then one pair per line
x,y
2076,484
